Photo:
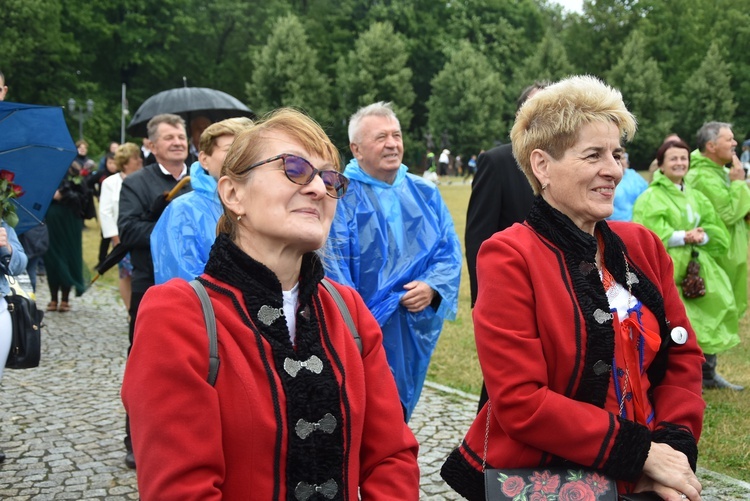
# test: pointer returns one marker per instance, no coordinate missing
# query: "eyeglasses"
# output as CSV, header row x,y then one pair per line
x,y
300,171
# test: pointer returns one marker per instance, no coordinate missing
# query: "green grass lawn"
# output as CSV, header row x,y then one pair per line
x,y
725,443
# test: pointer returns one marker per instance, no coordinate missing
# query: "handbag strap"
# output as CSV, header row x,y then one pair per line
x,y
210,319
344,312
486,435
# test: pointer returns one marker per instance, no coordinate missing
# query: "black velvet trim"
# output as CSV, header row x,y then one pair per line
x,y
462,477
309,396
344,395
629,453
580,258
579,252
679,438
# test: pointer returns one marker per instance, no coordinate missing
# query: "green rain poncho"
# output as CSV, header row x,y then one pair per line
x,y
665,209
731,201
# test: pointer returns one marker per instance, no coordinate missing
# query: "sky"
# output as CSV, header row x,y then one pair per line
x,y
571,5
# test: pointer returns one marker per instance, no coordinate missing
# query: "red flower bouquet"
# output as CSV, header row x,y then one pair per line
x,y
8,191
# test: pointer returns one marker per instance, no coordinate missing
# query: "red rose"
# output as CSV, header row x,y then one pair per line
x,y
513,486
577,491
7,175
85,172
545,482
538,496
17,190
599,483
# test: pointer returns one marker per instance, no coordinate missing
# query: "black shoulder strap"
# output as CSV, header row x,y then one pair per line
x,y
208,316
213,346
344,312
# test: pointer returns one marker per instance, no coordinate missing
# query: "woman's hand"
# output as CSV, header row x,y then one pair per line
x,y
4,238
694,236
668,473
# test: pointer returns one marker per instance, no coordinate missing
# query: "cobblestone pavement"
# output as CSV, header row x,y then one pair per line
x,y
61,424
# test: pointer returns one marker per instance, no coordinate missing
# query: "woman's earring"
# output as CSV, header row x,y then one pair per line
x,y
544,186
239,217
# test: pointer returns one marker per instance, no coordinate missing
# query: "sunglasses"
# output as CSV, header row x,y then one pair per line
x,y
300,171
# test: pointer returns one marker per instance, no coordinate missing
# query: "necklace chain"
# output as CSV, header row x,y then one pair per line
x,y
612,291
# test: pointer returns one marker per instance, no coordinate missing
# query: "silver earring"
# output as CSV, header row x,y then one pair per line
x,y
544,186
239,217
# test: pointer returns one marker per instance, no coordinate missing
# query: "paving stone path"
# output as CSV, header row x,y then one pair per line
x,y
61,424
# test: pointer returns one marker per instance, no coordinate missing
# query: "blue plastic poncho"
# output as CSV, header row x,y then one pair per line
x,y
186,230
626,193
385,236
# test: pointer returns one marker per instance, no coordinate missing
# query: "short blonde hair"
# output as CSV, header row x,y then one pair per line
x,y
551,120
228,127
125,152
248,146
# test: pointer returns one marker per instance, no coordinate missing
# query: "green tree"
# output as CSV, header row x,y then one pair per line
x,y
285,73
706,95
466,102
548,62
35,52
376,70
639,79
595,38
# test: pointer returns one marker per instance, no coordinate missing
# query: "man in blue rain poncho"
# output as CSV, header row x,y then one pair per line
x,y
186,230
393,240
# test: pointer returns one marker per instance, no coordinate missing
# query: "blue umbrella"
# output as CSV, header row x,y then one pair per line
x,y
35,144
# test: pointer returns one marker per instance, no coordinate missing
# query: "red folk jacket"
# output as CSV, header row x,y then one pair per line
x,y
532,341
195,441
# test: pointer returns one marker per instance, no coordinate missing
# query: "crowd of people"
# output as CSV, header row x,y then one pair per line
x,y
329,288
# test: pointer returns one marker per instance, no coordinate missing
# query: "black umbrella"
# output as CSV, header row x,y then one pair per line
x,y
188,102
119,252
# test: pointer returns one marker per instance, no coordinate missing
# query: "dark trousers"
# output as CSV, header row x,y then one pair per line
x,y
709,366
135,301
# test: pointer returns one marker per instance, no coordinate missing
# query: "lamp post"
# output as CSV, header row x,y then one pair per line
x,y
82,113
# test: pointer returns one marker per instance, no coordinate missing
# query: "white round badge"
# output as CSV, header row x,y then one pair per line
x,y
679,335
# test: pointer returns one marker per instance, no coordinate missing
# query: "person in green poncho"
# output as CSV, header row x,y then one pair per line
x,y
730,196
685,220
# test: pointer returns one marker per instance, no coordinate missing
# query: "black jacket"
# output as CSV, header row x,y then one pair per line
x,y
135,222
500,196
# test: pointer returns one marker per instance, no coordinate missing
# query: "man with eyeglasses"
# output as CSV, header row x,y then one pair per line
x,y
142,200
393,240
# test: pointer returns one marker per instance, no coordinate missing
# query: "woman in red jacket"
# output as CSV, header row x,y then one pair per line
x,y
297,411
585,347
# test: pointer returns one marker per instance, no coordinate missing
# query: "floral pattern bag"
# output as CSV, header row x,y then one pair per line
x,y
544,484
541,484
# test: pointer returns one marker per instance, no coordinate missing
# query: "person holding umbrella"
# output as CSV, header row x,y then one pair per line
x,y
12,262
142,200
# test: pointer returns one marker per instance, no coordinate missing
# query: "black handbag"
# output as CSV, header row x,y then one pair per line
x,y
26,342
551,482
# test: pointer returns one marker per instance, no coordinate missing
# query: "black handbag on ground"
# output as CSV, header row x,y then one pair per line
x,y
26,342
